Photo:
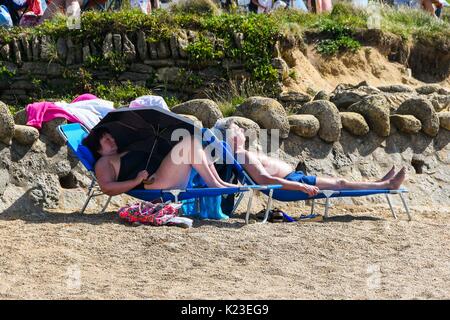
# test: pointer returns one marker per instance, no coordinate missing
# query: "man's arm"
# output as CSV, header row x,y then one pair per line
x,y
105,174
256,170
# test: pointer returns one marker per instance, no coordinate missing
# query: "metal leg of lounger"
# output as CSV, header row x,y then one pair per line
x,y
390,206
106,204
249,206
238,201
89,197
269,205
313,203
406,206
328,194
327,205
86,202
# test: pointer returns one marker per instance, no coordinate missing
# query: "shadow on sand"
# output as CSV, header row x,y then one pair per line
x,y
350,218
24,209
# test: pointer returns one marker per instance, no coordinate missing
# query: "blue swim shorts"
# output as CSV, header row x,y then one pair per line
x,y
299,176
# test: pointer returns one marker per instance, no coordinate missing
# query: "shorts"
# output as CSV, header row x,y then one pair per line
x,y
299,176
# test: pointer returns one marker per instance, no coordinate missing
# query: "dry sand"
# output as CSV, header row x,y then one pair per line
x,y
360,252
314,72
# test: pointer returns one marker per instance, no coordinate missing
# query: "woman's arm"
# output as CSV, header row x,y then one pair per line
x,y
106,178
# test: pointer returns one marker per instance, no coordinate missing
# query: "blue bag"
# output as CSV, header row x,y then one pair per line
x,y
203,208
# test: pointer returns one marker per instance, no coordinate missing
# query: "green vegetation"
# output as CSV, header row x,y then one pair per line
x,y
411,24
5,73
80,81
202,7
113,62
231,94
120,93
339,38
203,49
416,25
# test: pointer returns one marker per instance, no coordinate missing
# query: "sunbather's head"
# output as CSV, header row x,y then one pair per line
x,y
101,143
231,133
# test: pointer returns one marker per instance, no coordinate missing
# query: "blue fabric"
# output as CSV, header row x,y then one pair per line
x,y
86,157
206,207
19,4
290,195
149,195
300,5
5,17
75,134
407,3
360,3
299,176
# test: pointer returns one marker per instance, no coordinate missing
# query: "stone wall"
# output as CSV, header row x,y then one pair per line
x,y
29,62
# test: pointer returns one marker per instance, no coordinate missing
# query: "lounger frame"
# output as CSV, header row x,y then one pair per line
x,y
95,191
245,179
328,194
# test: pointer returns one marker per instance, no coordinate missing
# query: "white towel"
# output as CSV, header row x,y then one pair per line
x,y
89,112
149,101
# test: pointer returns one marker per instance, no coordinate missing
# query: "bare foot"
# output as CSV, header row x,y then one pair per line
x,y
389,175
398,179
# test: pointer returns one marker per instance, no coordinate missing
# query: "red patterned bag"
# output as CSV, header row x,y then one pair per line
x,y
156,214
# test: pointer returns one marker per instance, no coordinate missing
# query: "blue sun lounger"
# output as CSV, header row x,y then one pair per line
x,y
74,133
290,195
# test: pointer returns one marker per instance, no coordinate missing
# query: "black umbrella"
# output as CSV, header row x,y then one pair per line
x,y
146,129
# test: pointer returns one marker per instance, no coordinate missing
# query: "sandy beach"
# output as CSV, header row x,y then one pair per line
x,y
360,252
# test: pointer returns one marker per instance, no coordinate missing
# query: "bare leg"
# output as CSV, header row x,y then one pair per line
x,y
341,184
216,174
200,153
175,175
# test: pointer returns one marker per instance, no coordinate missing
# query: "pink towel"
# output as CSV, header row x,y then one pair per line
x,y
40,112
84,97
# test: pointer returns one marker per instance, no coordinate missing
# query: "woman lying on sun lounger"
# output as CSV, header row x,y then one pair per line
x,y
265,170
118,172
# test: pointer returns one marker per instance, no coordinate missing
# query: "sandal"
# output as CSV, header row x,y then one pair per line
x,y
275,216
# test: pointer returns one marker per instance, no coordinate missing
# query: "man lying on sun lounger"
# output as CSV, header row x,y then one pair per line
x,y
266,170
